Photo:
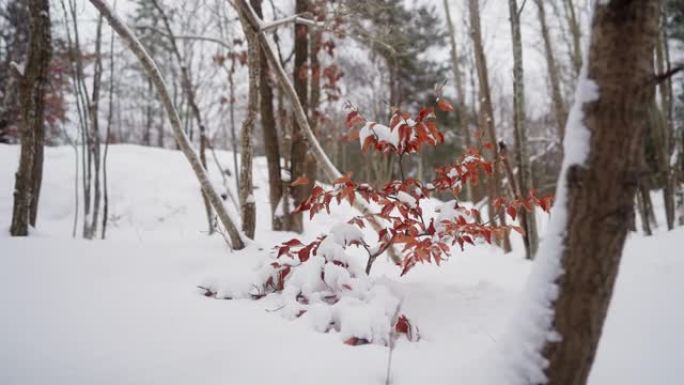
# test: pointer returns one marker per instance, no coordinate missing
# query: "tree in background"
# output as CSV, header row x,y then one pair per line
x,y
33,83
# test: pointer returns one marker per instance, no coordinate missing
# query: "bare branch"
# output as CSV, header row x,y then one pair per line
x,y
182,140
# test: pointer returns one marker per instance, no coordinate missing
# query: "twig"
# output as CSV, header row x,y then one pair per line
x,y
659,78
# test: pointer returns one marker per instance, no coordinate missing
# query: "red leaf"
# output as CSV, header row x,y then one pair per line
x,y
403,325
301,181
293,242
444,105
512,211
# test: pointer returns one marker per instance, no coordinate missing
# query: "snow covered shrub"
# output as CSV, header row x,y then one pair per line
x,y
333,289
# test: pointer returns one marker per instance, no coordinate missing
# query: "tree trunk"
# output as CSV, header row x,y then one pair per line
x,y
108,130
665,127
186,80
33,85
247,203
560,111
329,170
460,92
94,147
527,219
270,134
152,71
311,166
487,118
576,34
596,189
299,146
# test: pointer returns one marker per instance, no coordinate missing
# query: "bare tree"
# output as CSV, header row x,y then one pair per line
x,y
487,116
559,108
94,145
597,185
270,134
525,184
108,130
33,83
329,170
152,71
462,111
247,203
576,34
189,91
299,144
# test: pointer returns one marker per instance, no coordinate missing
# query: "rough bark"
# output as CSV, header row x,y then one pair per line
x,y
32,90
487,117
247,203
665,126
559,107
299,146
600,192
270,134
152,71
527,219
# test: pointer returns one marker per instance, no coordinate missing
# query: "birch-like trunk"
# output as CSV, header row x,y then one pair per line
x,y
247,203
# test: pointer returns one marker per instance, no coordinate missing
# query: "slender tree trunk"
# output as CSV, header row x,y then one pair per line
x,y
576,34
527,219
460,92
186,80
149,115
233,134
270,135
596,190
311,166
299,146
95,134
559,108
329,170
152,70
33,84
108,130
665,127
487,118
247,203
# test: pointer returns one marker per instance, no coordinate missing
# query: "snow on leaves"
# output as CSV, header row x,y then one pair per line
x,y
322,280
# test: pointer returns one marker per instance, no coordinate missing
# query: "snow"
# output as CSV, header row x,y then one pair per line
x,y
381,132
521,350
127,309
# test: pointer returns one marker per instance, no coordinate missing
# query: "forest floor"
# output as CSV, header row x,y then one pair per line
x,y
127,310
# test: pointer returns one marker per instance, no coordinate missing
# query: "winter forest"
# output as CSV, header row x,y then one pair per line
x,y
479,192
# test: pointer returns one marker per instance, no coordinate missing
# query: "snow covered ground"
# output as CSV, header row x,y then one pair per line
x,y
127,310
